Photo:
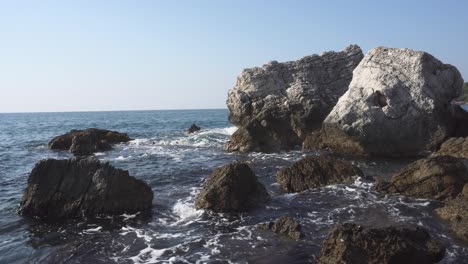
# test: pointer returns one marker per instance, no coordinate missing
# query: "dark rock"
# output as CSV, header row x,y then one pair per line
x,y
315,171
285,225
86,142
231,188
455,146
351,243
278,104
460,122
193,128
82,187
455,212
398,104
439,178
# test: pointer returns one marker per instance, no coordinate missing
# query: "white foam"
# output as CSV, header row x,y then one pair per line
x,y
186,212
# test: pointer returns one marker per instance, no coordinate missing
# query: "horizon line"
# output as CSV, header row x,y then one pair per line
x,y
98,111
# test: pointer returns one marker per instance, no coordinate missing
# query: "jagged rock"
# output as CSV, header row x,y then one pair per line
x,y
351,243
398,104
455,212
438,178
285,225
231,188
312,172
82,187
86,142
456,147
193,128
279,103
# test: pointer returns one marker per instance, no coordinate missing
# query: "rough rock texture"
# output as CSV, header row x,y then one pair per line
x,y
312,172
86,142
455,212
231,188
456,147
193,128
439,178
398,104
82,187
351,243
279,103
285,225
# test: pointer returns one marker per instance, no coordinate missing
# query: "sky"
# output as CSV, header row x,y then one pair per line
x,y
147,55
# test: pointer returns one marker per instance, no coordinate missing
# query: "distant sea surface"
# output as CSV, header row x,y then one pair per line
x,y
175,164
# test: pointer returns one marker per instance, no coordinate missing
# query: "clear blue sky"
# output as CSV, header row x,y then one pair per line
x,y
128,55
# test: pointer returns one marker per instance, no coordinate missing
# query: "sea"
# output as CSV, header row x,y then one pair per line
x,y
175,163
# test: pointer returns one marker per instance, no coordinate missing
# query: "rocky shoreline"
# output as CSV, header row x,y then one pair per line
x,y
388,103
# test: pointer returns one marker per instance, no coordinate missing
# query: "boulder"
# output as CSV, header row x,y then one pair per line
x,y
398,104
193,128
86,142
80,187
278,104
351,243
456,147
316,171
455,212
285,225
438,178
231,188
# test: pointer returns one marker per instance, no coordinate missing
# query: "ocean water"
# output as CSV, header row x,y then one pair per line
x,y
174,164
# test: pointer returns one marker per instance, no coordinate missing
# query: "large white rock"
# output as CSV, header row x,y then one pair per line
x,y
398,104
278,104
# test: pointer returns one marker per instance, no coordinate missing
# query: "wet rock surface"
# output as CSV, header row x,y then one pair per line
x,y
286,226
278,104
438,178
88,141
231,188
316,171
79,187
455,212
456,147
351,243
193,128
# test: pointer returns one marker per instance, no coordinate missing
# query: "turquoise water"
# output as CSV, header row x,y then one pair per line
x,y
174,164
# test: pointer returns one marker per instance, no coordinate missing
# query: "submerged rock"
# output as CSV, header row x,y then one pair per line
x,y
438,178
231,188
277,104
82,187
88,141
351,243
315,171
193,128
455,212
285,225
456,147
398,104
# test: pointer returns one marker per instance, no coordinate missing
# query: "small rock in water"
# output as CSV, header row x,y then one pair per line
x,y
88,141
82,187
316,171
231,188
285,225
193,128
351,243
438,178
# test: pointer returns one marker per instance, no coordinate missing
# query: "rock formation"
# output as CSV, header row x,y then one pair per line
x,y
86,142
438,178
82,187
398,104
351,243
285,225
312,172
193,128
455,212
231,188
278,104
456,147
